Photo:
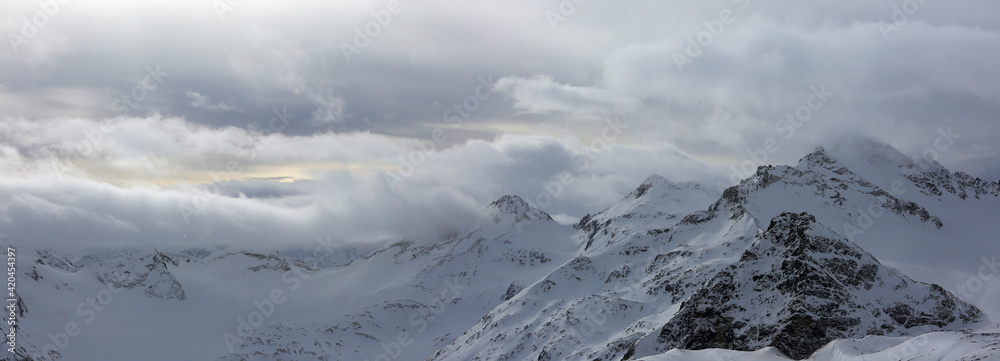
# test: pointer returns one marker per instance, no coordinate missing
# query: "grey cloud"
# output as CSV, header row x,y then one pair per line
x,y
268,87
542,95
201,101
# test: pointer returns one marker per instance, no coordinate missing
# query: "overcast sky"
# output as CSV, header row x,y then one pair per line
x,y
224,121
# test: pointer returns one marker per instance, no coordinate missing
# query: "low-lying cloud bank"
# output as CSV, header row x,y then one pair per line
x,y
76,183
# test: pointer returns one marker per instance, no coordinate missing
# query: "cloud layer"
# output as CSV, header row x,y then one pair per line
x,y
368,121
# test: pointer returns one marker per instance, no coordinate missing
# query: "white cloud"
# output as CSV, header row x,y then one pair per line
x,y
358,120
763,62
174,149
542,95
203,102
329,108
66,207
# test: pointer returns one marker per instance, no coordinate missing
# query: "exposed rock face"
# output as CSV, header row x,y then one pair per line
x,y
771,265
130,269
800,286
49,257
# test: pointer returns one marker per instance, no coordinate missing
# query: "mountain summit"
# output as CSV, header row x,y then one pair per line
x,y
516,209
854,254
800,286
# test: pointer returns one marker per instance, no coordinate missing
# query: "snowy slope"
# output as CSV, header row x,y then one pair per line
x,y
936,239
630,280
800,286
401,289
934,346
405,289
860,231
819,183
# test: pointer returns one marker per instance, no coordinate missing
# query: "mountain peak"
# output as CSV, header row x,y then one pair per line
x,y
508,201
658,181
877,153
818,157
800,286
659,197
650,182
515,207
653,178
883,164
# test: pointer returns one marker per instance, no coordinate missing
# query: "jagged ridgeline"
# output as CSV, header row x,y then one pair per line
x,y
792,262
800,286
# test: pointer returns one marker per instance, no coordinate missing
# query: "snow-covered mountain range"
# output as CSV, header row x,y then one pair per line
x,y
855,253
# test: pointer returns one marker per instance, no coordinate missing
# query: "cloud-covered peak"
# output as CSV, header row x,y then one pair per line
x,y
516,209
871,151
255,117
